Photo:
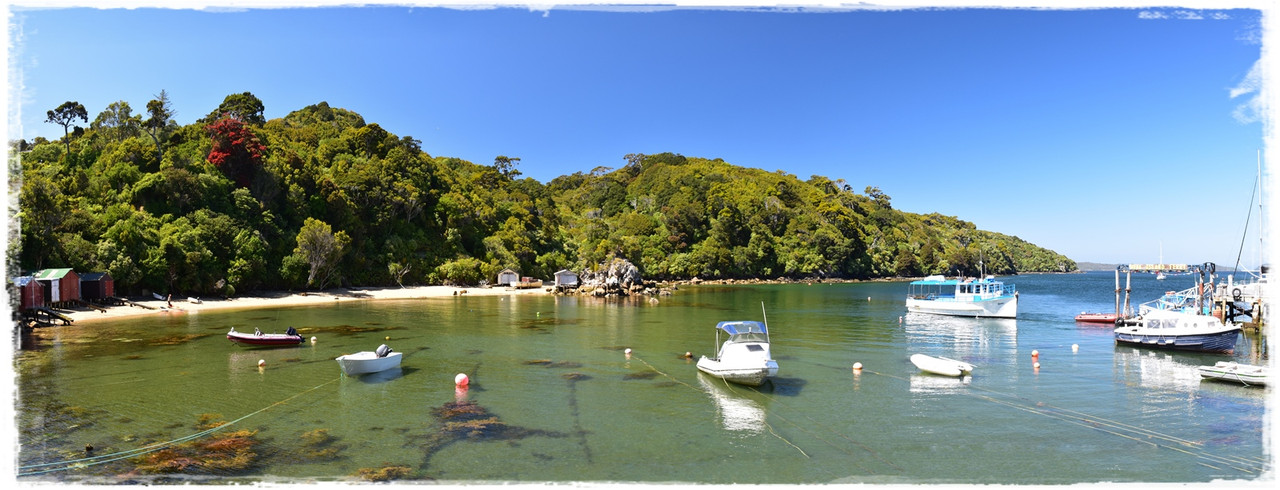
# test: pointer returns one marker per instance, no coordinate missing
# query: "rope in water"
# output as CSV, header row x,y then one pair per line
x,y
766,423
870,451
119,455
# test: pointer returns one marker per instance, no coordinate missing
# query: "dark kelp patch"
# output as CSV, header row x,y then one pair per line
x,y
385,473
464,420
317,446
222,453
176,339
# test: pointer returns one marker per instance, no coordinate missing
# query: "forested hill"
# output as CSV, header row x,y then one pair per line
x,y
318,198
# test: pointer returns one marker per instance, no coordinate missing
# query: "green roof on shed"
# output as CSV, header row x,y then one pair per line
x,y
52,273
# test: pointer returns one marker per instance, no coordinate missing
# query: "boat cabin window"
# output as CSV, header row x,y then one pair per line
x,y
755,348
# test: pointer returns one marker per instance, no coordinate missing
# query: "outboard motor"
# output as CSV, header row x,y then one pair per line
x,y
383,350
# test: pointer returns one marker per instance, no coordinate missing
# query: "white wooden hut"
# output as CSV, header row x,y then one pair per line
x,y
508,277
566,279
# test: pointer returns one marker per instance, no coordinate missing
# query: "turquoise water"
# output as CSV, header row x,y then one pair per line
x,y
574,408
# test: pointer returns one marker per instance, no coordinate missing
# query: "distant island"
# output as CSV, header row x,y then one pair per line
x,y
321,198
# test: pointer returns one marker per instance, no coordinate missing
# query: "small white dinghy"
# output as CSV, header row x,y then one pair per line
x,y
369,362
941,365
1235,372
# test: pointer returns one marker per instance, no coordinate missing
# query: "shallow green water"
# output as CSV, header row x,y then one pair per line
x,y
552,369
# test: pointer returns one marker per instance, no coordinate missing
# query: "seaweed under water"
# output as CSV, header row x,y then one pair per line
x,y
219,454
464,420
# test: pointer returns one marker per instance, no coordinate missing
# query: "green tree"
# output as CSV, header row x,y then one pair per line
x,y
321,249
117,122
65,115
157,126
243,106
506,166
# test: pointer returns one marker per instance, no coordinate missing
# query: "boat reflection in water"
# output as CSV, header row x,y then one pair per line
x,y
737,413
930,383
1158,369
973,340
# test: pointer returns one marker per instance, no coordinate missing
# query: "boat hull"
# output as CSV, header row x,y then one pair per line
x,y
1235,372
367,362
1107,318
1002,307
1224,341
941,365
743,375
264,340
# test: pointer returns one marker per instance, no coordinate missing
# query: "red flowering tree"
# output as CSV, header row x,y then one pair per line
x,y
236,150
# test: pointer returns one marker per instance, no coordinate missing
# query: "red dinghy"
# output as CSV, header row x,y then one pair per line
x,y
1096,318
258,338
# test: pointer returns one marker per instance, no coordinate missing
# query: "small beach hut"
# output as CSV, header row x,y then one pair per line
x,y
566,279
30,293
508,277
60,285
97,286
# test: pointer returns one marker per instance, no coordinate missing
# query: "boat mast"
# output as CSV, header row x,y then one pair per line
x,y
766,321
1256,180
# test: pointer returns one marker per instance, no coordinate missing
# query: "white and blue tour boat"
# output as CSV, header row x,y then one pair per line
x,y
978,298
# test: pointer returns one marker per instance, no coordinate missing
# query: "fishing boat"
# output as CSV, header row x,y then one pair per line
x,y
978,298
257,338
1177,329
1085,317
365,362
941,365
1235,372
744,357
1181,320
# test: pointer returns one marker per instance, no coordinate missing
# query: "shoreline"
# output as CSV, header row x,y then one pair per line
x,y
268,299
148,307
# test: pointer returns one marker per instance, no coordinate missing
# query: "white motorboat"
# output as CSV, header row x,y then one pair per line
x,y
978,298
1181,330
744,358
1246,374
366,362
941,365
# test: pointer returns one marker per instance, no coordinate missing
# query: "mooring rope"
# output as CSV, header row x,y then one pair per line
x,y
700,390
119,455
873,453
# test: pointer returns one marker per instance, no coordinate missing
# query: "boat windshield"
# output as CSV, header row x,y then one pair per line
x,y
745,331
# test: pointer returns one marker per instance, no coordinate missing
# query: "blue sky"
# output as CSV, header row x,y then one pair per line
x,y
1109,134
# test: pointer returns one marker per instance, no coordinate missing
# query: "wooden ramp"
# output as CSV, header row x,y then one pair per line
x,y
130,303
47,316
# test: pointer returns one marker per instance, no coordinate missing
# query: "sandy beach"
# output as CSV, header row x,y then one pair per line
x,y
84,315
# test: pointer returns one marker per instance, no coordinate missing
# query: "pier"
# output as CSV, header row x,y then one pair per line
x,y
1177,268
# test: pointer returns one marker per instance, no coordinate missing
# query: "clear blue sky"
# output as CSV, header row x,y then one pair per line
x,y
1109,135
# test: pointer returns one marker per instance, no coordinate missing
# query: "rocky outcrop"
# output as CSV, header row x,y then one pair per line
x,y
618,277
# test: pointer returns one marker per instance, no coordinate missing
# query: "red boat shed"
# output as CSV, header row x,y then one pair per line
x,y
97,286
30,293
60,285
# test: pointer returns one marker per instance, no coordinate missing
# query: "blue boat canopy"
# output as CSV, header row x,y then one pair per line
x,y
742,327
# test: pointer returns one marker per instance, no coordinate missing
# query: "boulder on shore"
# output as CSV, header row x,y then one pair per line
x,y
618,277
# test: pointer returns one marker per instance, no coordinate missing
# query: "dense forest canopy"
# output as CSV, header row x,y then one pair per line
x,y
320,197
